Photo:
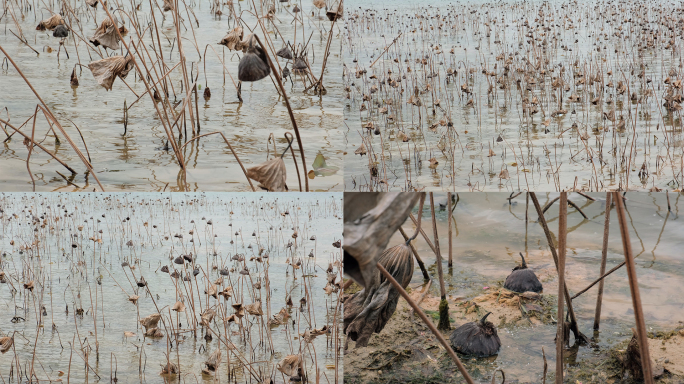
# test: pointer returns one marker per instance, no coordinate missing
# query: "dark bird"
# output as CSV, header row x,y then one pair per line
x,y
254,64
523,279
477,338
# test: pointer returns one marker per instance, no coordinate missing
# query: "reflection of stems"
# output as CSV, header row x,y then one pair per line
x,y
231,149
289,109
289,146
51,116
427,322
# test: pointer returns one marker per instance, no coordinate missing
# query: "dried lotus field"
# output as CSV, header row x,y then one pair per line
x,y
151,288
170,95
513,95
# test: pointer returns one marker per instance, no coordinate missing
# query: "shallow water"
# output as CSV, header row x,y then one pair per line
x,y
490,233
477,36
137,160
91,277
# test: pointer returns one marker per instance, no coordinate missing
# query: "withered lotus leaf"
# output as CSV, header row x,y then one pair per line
x,y
50,23
150,321
254,63
285,53
239,309
477,338
289,364
154,333
214,360
254,308
178,307
106,34
271,175
207,316
233,39
367,311
336,11
6,343
106,70
299,67
212,291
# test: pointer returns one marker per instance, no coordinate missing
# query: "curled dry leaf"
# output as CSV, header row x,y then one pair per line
x,y
150,321
239,310
212,291
227,292
214,360
289,364
280,318
367,311
106,34
154,333
254,308
106,70
6,343
310,334
169,368
207,316
336,11
271,175
50,23
233,39
178,307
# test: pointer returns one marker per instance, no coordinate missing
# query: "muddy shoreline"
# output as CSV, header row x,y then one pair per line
x,y
405,351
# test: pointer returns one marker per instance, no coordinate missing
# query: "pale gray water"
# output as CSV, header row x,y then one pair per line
x,y
90,277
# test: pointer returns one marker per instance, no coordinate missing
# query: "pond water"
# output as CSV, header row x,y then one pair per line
x,y
514,95
70,272
138,160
